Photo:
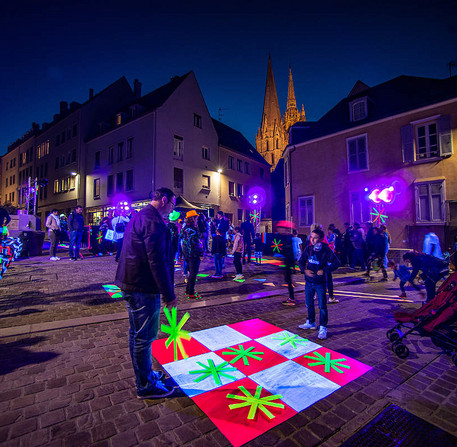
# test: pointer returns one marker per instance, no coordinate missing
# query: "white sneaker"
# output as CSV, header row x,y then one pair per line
x,y
322,335
236,277
333,300
308,325
52,258
56,258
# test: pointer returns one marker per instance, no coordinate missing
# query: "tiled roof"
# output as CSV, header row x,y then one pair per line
x,y
399,95
234,140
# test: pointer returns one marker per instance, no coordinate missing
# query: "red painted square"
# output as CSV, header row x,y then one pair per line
x,y
269,358
234,424
255,328
166,355
348,375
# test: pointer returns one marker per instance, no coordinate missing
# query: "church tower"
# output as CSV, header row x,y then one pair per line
x,y
271,139
292,115
273,135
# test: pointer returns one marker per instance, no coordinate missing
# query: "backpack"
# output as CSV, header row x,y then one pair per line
x,y
120,227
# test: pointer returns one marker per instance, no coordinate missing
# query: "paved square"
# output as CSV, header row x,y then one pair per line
x,y
255,375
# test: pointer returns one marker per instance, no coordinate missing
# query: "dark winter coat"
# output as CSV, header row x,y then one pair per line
x,y
145,263
76,222
314,261
219,245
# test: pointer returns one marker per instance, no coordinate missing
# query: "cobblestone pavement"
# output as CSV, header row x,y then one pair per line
x,y
74,386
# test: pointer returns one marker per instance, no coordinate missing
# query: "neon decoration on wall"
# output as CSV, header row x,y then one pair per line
x,y
385,195
378,216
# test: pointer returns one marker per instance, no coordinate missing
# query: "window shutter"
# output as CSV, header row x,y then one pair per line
x,y
445,135
407,143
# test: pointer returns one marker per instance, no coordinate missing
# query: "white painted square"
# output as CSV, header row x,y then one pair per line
x,y
219,337
180,372
299,387
287,350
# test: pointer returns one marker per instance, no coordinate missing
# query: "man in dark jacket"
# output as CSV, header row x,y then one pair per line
x,y
248,236
315,261
433,269
76,227
143,275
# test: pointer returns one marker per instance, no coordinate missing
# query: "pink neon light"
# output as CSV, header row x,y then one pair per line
x,y
386,195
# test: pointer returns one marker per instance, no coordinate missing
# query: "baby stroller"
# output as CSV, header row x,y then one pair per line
x,y
434,319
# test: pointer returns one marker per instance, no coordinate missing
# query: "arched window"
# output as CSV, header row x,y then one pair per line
x,y
268,146
277,144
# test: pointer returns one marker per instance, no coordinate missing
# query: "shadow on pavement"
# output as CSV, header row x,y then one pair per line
x,y
15,355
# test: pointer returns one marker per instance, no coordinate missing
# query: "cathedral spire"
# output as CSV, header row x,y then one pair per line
x,y
271,111
291,102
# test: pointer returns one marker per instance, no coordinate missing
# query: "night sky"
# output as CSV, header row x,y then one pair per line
x,y
56,51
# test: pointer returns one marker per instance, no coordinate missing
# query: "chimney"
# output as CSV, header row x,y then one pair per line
x,y
35,127
137,89
63,107
91,93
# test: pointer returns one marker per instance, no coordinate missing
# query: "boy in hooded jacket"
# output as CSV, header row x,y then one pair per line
x,y
315,261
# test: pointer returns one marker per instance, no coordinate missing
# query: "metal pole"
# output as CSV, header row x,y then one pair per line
x,y
34,197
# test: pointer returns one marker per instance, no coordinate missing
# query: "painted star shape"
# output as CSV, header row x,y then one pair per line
x,y
175,331
255,402
244,354
327,362
292,339
212,370
276,245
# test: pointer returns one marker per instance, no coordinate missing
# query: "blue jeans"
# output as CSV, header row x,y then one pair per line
x,y
218,263
319,289
144,316
75,242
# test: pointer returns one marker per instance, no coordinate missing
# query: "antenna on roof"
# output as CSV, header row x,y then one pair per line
x,y
450,65
219,113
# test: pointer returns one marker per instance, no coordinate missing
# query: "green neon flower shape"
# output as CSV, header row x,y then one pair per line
x,y
276,245
99,237
175,331
214,371
292,339
242,353
328,362
255,402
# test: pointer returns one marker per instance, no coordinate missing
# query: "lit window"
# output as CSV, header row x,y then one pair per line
x,y
206,182
96,188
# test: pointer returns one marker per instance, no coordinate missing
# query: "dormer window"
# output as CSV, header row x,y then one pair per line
x,y
118,119
358,109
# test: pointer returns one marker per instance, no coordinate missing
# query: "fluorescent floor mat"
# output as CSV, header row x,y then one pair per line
x,y
250,376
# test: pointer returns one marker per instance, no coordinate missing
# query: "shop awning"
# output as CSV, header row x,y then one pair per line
x,y
183,204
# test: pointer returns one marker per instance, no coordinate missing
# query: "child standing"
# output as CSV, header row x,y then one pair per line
x,y
218,250
258,249
237,252
403,272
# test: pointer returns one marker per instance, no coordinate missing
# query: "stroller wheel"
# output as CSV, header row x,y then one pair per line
x,y
400,350
393,337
